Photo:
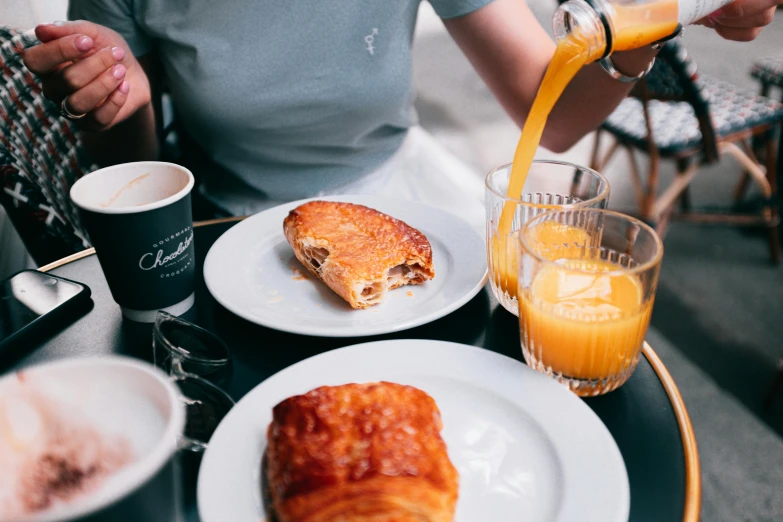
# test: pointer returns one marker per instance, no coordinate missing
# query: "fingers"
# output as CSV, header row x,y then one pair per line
x,y
78,75
104,115
45,58
759,20
91,95
742,9
73,67
737,34
50,32
741,20
73,76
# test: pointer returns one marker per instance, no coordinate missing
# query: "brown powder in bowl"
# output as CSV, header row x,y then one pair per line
x,y
67,457
74,462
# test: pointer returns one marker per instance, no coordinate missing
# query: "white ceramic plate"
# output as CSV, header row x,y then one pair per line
x,y
252,271
525,447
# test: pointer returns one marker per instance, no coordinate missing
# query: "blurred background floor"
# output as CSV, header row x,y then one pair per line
x,y
718,317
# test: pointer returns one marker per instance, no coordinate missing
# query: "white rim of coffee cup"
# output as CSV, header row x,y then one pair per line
x,y
79,193
137,472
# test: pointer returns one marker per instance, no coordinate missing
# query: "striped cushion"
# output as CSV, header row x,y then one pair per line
x,y
675,127
40,158
769,70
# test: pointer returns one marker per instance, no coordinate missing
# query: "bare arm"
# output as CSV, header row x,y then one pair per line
x,y
511,51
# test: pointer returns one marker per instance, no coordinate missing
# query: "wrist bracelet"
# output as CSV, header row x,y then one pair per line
x,y
608,66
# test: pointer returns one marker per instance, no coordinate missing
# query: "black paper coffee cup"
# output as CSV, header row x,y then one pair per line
x,y
138,217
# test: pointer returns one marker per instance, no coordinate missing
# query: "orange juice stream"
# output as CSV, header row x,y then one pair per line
x,y
584,325
571,54
635,25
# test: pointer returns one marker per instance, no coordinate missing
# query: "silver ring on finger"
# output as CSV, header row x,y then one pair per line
x,y
67,114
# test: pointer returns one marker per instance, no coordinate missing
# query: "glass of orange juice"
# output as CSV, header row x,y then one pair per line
x,y
585,304
548,185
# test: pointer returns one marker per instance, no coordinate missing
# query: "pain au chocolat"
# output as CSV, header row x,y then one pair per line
x,y
359,453
358,252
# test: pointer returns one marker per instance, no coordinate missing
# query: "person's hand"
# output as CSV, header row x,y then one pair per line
x,y
742,20
90,70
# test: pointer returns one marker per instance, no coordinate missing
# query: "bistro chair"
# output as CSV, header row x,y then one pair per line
x,y
769,72
41,156
675,114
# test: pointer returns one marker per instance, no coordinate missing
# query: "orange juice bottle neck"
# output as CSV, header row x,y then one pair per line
x,y
578,21
622,25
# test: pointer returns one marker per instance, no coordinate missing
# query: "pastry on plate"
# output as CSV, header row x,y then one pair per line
x,y
358,252
359,453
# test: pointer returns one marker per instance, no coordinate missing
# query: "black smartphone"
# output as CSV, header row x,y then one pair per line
x,y
31,301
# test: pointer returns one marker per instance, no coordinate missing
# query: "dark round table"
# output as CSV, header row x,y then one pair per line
x,y
646,417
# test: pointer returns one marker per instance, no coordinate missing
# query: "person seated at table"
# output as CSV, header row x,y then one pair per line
x,y
286,100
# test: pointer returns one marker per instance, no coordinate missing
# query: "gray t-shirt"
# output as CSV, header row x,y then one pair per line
x,y
290,97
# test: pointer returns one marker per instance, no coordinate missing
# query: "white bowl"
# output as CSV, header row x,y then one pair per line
x,y
116,396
